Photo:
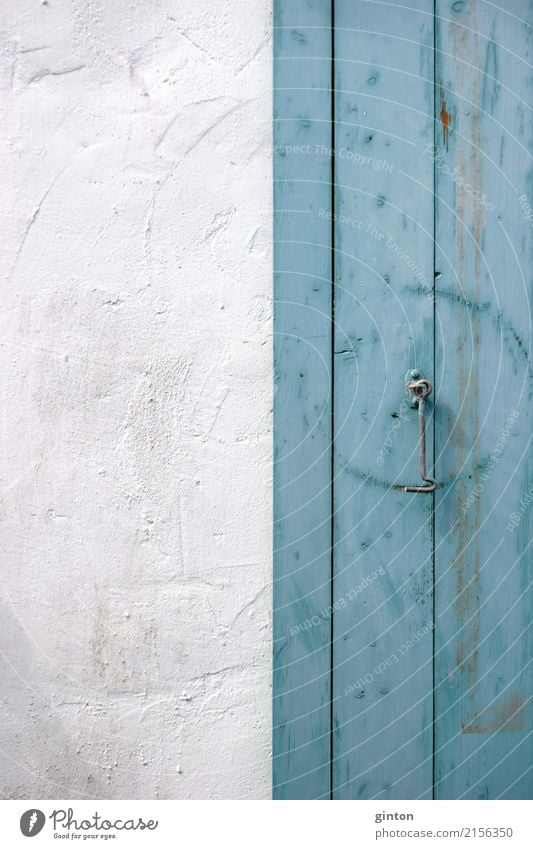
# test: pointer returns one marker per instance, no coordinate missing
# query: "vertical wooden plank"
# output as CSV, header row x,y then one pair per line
x,y
382,672
483,563
302,414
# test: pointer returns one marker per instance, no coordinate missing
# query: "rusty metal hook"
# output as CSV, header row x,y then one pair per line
x,y
419,388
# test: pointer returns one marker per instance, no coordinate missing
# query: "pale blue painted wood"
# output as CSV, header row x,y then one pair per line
x,y
382,672
393,736
302,414
483,567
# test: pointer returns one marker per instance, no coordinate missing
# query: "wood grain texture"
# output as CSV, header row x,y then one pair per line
x,y
302,414
382,671
483,566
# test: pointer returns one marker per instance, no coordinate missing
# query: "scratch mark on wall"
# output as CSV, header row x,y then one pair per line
x,y
215,124
46,72
31,221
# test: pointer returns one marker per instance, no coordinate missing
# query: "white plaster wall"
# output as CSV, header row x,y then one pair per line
x,y
135,437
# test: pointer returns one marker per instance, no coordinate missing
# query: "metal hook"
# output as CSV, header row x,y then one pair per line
x,y
419,388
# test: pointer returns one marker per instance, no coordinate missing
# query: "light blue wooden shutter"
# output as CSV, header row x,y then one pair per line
x,y
402,649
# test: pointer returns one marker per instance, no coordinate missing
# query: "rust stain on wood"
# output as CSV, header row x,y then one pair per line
x,y
467,561
445,118
467,160
507,716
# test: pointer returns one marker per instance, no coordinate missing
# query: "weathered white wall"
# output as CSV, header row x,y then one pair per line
x,y
136,394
